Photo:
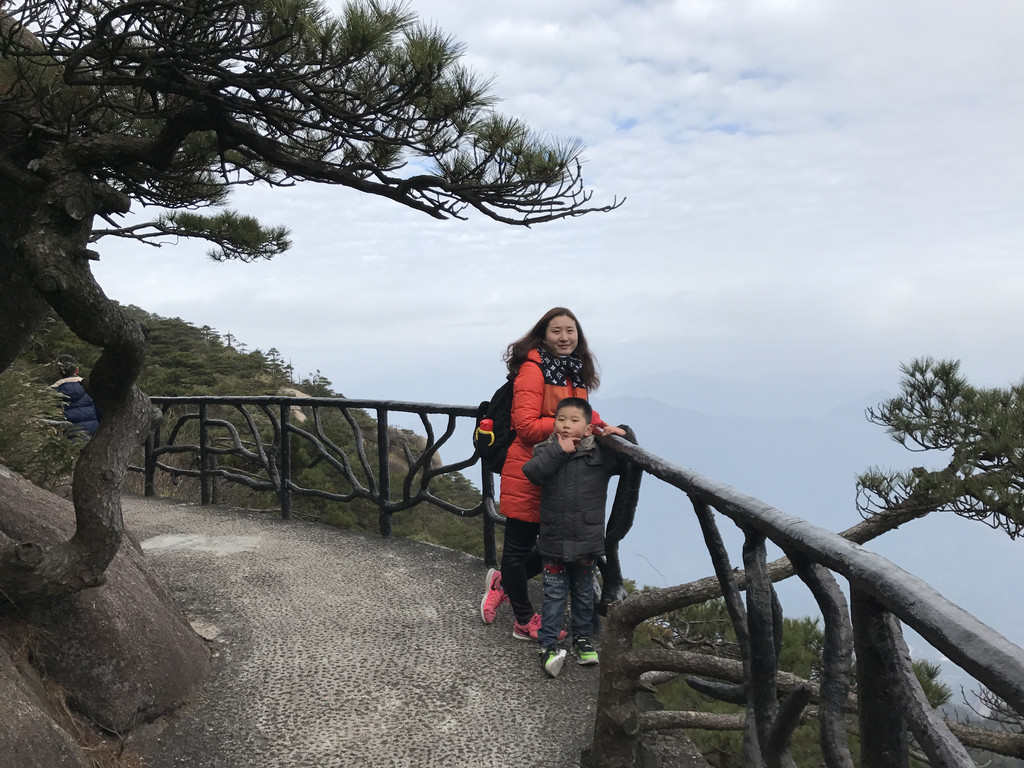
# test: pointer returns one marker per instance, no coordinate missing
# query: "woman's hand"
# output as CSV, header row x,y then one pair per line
x,y
608,429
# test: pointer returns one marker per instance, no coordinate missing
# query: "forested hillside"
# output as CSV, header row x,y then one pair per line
x,y
183,359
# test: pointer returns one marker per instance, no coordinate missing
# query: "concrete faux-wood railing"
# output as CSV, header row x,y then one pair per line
x,y
889,702
249,441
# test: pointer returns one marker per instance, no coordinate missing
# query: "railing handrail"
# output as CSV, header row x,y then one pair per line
x,y
403,406
947,626
890,701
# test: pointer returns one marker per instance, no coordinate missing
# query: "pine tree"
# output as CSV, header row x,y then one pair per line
x,y
978,434
167,106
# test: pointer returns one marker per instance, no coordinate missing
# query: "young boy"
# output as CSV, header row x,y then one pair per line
x,y
574,473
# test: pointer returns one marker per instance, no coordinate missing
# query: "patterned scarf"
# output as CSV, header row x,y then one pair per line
x,y
557,369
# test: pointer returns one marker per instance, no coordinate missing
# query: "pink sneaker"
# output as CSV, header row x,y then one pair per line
x,y
529,630
493,597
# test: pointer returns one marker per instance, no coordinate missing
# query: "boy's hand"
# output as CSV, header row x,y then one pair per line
x,y
568,444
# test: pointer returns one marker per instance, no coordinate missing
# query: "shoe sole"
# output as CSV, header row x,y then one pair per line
x,y
487,593
555,666
584,662
561,636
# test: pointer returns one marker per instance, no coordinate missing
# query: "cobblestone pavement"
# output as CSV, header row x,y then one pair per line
x,y
335,649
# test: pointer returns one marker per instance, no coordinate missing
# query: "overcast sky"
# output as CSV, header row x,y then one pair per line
x,y
811,186
817,191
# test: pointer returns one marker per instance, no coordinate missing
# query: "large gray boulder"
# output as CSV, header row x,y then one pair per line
x,y
29,737
120,655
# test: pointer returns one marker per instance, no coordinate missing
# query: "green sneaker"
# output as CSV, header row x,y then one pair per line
x,y
585,653
551,660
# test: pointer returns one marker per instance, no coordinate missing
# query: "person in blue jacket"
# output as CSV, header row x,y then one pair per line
x,y
79,408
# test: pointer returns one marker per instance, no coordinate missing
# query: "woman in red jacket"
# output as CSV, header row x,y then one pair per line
x,y
551,362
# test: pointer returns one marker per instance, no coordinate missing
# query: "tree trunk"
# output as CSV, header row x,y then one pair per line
x,y
21,306
49,264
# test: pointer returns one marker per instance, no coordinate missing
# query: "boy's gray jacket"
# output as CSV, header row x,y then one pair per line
x,y
572,498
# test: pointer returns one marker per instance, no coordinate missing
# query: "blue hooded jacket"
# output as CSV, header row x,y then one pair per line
x,y
79,409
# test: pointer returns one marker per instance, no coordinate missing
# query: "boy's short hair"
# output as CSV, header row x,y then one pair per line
x,y
576,402
66,365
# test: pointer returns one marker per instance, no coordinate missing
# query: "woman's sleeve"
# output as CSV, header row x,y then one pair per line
x,y
527,399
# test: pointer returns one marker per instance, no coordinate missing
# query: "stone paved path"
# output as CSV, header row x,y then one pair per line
x,y
335,649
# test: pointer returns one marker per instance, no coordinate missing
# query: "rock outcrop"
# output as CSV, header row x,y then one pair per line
x,y
297,414
117,655
399,440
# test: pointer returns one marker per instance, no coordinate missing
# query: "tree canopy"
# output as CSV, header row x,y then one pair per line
x,y
168,104
977,433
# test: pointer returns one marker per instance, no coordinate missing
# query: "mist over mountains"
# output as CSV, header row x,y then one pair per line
x,y
805,467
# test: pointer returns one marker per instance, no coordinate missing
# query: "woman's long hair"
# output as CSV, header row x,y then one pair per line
x,y
517,351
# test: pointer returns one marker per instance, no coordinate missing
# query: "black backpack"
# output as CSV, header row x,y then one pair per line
x,y
492,444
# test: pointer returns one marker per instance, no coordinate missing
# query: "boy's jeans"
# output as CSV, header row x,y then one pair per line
x,y
561,578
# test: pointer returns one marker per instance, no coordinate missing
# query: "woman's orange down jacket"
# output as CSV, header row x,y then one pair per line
x,y
533,419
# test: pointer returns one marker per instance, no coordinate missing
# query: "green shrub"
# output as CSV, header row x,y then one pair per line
x,y
33,438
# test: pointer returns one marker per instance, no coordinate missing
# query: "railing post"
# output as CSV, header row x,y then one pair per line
x,y
215,482
883,734
286,462
616,741
152,440
490,548
204,458
384,472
